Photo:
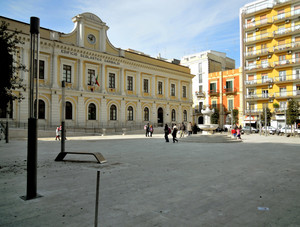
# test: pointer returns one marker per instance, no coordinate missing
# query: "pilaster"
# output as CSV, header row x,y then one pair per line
x,y
81,110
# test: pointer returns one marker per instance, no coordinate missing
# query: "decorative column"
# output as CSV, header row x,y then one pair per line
x,y
103,76
167,90
122,82
54,69
104,111
55,109
138,84
139,112
81,110
153,86
179,91
80,75
167,114
153,113
180,118
122,113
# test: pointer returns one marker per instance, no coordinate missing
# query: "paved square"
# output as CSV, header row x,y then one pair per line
x,y
147,182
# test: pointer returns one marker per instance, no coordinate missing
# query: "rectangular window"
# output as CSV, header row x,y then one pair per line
x,y
91,77
130,83
184,91
200,68
172,89
265,93
282,91
200,106
200,88
213,87
111,80
200,78
230,104
146,86
214,104
41,69
160,88
67,73
282,75
264,77
229,86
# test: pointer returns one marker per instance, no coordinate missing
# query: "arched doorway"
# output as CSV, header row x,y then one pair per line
x,y
160,117
200,120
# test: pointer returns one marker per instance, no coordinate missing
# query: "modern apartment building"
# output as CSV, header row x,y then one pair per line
x,y
201,64
225,93
270,57
106,87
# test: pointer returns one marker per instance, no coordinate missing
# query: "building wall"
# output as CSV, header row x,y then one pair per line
x,y
87,48
223,92
201,64
270,38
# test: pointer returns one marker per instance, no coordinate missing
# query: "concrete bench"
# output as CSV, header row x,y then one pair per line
x,y
97,155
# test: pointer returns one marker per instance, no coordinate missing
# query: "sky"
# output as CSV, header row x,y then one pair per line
x,y
171,28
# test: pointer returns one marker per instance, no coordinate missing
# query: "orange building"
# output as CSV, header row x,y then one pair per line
x,y
225,93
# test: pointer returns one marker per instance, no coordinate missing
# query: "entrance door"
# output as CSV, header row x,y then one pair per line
x,y
200,120
160,117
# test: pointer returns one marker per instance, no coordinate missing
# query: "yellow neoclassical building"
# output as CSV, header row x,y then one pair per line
x,y
105,86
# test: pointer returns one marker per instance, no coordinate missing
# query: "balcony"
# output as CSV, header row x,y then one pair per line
x,y
258,7
286,47
286,94
259,82
253,111
200,94
280,3
261,97
286,31
287,63
286,16
229,91
258,67
287,78
260,38
213,93
258,24
258,53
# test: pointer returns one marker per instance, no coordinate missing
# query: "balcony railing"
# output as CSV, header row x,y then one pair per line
x,y
257,7
258,52
229,90
258,23
287,78
213,92
253,67
200,94
286,15
259,96
286,94
259,81
286,30
259,37
288,62
286,46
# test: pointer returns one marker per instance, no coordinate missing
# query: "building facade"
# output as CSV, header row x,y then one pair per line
x,y
225,93
270,57
201,64
105,86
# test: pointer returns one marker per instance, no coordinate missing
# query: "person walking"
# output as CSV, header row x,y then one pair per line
x,y
151,130
238,136
57,131
174,133
146,127
167,132
189,128
182,129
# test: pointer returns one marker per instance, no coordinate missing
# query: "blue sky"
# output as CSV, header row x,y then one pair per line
x,y
171,28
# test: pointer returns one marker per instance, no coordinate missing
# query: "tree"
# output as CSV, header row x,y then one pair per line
x,y
263,118
292,112
10,66
235,117
214,119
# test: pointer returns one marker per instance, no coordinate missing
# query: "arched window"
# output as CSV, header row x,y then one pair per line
x,y
130,113
92,112
184,115
69,111
113,113
173,115
146,114
41,108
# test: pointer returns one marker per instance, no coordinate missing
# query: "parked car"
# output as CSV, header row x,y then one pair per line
x,y
270,129
288,130
246,129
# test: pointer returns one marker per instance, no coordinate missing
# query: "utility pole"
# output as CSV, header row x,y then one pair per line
x,y
63,136
31,192
266,121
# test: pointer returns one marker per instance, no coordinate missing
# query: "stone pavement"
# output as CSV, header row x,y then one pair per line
x,y
147,182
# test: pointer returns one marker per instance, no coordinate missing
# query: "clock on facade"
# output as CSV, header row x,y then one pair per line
x,y
91,38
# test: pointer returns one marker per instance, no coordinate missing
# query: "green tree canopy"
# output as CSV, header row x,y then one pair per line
x,y
263,118
235,117
292,112
10,65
